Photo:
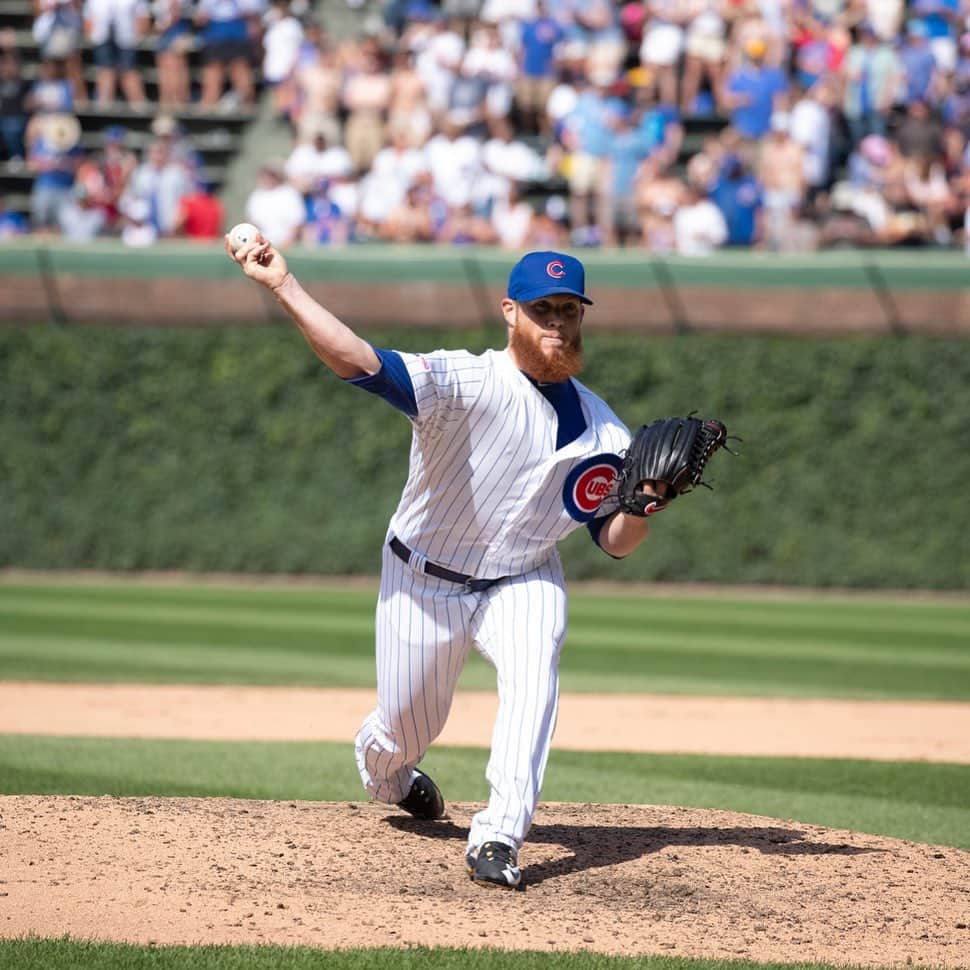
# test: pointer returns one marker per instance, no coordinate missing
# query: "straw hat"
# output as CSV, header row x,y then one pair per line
x,y
62,130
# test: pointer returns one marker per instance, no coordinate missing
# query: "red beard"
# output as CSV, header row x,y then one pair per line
x,y
548,365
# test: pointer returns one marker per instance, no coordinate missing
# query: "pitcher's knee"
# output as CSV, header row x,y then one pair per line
x,y
379,741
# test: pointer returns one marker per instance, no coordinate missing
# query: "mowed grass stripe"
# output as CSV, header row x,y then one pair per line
x,y
345,633
227,629
280,662
766,673
849,637
617,642
273,597
322,619
888,622
909,800
77,660
794,616
66,954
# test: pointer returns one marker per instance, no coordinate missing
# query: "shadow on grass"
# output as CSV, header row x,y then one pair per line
x,y
598,846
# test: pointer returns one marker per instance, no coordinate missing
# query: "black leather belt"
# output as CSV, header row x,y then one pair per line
x,y
433,569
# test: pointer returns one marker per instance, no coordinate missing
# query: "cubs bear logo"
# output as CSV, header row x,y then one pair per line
x,y
587,484
556,269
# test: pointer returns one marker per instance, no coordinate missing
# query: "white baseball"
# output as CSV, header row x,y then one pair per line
x,y
242,235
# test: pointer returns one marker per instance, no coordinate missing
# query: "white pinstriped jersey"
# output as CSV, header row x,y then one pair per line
x,y
488,493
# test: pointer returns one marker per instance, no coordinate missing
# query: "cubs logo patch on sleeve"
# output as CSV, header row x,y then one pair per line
x,y
588,483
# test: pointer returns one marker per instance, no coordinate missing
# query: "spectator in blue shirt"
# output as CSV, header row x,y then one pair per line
x,y
12,224
539,37
871,70
955,109
918,63
628,149
812,51
661,129
738,194
326,224
598,20
52,155
227,31
587,135
941,19
14,92
51,92
753,91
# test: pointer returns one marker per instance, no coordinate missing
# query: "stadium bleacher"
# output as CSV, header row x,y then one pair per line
x,y
893,177
215,134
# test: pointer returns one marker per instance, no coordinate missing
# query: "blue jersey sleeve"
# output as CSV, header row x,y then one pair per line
x,y
392,382
595,528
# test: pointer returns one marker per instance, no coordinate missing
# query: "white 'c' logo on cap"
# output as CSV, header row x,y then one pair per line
x,y
556,270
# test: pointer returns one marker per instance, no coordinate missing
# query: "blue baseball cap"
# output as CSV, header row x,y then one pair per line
x,y
544,273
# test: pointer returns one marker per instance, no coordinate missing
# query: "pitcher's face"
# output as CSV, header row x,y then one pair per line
x,y
545,336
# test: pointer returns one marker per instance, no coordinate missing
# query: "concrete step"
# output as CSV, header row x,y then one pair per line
x,y
190,116
218,141
15,176
23,39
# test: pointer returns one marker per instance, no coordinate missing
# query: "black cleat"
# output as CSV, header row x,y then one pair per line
x,y
424,799
494,864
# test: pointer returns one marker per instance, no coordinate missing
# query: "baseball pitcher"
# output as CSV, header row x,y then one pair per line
x,y
509,454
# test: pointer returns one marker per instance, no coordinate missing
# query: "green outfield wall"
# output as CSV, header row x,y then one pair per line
x,y
178,283
234,449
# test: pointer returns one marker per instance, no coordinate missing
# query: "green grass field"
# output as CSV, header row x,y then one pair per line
x,y
74,955
823,647
829,647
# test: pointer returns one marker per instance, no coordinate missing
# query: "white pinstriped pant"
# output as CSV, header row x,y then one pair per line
x,y
425,627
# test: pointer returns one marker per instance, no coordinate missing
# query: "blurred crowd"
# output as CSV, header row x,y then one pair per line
x,y
159,191
679,125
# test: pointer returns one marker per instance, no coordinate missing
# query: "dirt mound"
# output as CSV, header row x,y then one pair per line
x,y
612,878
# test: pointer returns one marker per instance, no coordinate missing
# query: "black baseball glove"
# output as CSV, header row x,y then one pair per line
x,y
672,450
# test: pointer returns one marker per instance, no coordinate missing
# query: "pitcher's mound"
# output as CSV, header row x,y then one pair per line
x,y
612,878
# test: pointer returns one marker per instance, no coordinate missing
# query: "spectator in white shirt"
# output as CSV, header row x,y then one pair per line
x,y
312,161
58,30
560,105
282,39
512,219
385,187
455,161
811,126
488,60
662,45
699,226
399,164
438,56
161,182
275,207
503,155
138,230
114,28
